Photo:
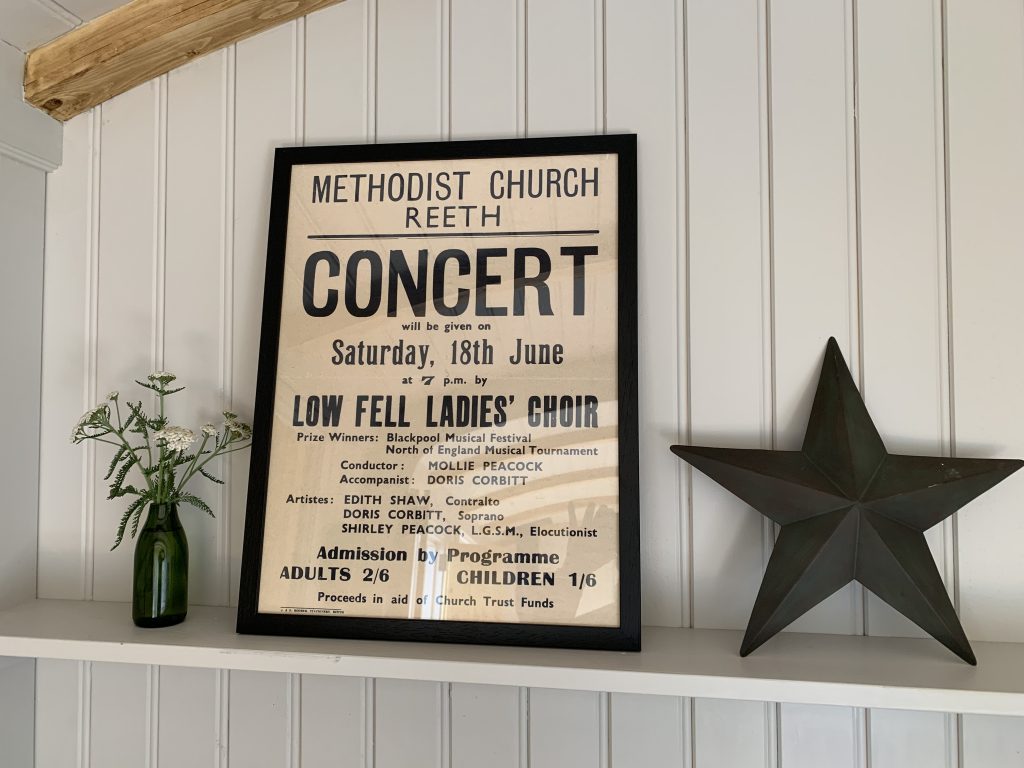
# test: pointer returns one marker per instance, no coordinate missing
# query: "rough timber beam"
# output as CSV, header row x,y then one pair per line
x,y
140,41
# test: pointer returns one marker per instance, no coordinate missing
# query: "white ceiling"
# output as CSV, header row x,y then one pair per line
x,y
28,23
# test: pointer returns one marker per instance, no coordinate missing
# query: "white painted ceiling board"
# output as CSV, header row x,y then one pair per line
x,y
90,9
28,23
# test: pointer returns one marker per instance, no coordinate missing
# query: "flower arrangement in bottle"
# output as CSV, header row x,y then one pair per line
x,y
165,457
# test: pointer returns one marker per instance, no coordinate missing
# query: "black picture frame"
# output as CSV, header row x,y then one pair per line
x,y
626,636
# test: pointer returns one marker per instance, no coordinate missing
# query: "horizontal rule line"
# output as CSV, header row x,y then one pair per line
x,y
534,233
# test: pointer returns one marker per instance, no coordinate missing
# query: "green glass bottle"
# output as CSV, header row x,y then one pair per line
x,y
160,584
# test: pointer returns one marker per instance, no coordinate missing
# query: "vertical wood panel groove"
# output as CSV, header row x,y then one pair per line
x,y
688,729
524,728
222,725
92,346
947,262
860,602
521,68
227,257
600,67
684,534
772,737
158,320
369,723
768,431
371,71
444,74
84,713
861,717
862,745
299,46
444,695
769,530
604,731
153,716
951,570
294,699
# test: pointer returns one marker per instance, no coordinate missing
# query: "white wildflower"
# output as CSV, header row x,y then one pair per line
x,y
94,417
176,438
209,430
113,394
162,377
238,429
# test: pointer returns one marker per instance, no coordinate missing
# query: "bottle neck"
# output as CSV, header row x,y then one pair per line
x,y
163,516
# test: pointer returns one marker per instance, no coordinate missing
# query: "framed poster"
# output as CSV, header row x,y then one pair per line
x,y
445,436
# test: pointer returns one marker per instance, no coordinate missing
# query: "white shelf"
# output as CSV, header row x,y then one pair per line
x,y
895,673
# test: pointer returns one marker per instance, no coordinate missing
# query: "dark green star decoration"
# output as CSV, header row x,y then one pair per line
x,y
849,510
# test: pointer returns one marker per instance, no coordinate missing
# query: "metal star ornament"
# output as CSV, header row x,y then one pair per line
x,y
849,510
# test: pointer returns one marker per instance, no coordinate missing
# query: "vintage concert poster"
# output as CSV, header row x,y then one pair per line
x,y
445,419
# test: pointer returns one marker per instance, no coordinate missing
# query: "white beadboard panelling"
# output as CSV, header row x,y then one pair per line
x,y
729,372
648,730
815,267
407,724
903,272
485,726
337,68
906,739
483,69
733,733
651,112
193,294
812,737
333,726
264,117
127,307
65,364
184,728
985,44
560,67
730,368
118,716
22,209
408,65
986,189
815,290
259,722
17,682
991,742
565,729
57,713
903,243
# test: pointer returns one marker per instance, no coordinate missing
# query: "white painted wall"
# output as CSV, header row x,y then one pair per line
x,y
30,144
807,169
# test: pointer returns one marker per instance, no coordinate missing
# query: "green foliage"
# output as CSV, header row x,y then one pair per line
x,y
195,501
162,453
210,477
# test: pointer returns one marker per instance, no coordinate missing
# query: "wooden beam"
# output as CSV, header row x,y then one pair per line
x,y
140,41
